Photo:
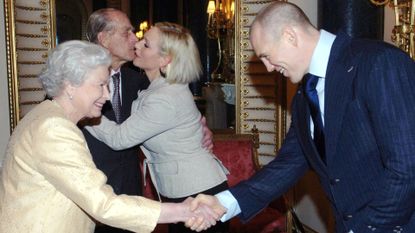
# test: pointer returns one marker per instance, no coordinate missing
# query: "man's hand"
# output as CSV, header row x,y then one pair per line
x,y
207,140
204,217
207,204
198,220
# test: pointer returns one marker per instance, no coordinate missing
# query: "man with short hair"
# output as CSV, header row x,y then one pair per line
x,y
352,123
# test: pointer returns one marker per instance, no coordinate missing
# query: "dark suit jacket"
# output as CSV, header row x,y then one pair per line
x,y
121,167
369,175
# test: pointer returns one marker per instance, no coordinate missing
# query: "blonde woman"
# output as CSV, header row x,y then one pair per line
x,y
166,120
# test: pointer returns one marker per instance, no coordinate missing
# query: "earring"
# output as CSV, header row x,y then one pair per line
x,y
69,96
163,74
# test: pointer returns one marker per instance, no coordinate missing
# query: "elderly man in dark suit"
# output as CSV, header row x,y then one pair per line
x,y
353,123
112,29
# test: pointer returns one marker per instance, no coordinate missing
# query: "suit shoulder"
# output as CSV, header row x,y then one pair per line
x,y
373,49
134,79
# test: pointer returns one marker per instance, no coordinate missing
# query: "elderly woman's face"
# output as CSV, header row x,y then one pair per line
x,y
91,95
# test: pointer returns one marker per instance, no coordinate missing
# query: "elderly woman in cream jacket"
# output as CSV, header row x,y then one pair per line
x,y
165,118
49,182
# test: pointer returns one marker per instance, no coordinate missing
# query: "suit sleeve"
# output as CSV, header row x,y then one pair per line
x,y
155,116
390,100
64,160
273,180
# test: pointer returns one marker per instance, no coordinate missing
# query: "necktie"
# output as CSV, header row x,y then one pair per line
x,y
116,99
311,94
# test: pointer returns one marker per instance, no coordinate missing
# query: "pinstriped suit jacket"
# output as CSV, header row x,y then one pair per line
x,y
369,175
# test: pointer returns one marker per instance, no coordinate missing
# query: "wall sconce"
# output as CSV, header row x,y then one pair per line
x,y
143,26
220,27
403,34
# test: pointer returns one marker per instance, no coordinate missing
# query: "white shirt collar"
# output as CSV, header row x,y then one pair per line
x,y
321,54
115,71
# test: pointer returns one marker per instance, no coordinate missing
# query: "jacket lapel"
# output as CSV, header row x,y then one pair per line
x,y
338,90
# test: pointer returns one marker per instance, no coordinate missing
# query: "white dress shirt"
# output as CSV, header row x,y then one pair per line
x,y
318,66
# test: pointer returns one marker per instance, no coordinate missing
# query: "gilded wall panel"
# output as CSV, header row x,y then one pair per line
x,y
261,96
29,35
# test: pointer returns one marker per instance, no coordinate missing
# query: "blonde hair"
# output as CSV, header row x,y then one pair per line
x,y
176,41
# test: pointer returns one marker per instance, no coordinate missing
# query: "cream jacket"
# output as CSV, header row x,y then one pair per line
x,y
166,120
49,183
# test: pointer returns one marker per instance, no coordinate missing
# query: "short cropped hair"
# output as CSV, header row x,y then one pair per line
x,y
69,63
176,41
99,21
275,16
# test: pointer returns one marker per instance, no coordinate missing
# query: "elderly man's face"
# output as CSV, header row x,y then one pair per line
x,y
121,40
279,54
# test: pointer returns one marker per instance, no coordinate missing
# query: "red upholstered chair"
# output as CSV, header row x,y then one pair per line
x,y
238,152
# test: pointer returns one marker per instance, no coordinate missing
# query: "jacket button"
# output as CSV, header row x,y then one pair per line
x,y
334,181
371,228
347,217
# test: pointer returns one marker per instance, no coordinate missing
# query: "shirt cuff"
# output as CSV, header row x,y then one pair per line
x,y
230,203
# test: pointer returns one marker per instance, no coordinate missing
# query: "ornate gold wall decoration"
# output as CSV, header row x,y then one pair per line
x,y
403,34
261,96
30,33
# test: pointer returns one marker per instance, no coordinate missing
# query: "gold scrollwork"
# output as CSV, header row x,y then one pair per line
x,y
266,154
45,29
30,103
28,76
261,109
43,3
259,2
29,8
32,49
245,9
44,16
45,42
245,45
260,120
245,21
379,2
261,97
245,115
29,21
30,89
31,35
17,22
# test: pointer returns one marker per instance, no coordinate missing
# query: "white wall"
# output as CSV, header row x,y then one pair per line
x,y
4,99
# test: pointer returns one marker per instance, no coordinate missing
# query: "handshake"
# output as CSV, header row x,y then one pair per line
x,y
198,213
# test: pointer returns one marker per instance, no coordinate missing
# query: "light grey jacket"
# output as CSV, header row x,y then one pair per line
x,y
166,120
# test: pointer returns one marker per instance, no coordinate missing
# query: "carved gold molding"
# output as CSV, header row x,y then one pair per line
x,y
260,96
403,33
30,33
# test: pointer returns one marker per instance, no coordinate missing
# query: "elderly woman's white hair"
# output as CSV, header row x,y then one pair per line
x,y
69,63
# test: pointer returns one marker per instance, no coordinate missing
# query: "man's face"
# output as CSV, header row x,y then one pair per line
x,y
120,40
279,54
